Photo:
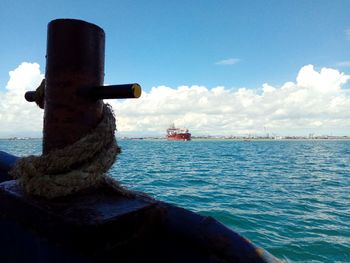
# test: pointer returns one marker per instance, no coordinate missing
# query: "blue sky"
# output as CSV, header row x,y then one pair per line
x,y
178,42
234,44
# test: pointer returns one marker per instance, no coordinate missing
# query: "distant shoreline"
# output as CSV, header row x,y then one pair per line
x,y
235,139
284,139
340,138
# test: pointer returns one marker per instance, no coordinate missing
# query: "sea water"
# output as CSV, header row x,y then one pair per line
x,y
290,197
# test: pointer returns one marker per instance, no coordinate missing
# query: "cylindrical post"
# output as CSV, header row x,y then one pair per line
x,y
74,60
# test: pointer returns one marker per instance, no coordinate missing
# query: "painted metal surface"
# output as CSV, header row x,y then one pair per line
x,y
104,227
7,161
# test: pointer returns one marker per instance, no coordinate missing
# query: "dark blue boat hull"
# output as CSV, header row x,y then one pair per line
x,y
102,226
7,161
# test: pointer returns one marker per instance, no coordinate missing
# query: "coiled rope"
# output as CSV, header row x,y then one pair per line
x,y
74,168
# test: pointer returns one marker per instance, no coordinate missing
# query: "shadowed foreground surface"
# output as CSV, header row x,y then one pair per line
x,y
100,226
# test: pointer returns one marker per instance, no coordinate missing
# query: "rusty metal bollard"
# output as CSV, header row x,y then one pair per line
x,y
74,78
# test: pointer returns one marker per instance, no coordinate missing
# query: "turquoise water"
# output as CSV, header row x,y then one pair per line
x,y
290,197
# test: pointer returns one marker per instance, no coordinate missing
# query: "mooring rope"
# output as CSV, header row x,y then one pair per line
x,y
76,167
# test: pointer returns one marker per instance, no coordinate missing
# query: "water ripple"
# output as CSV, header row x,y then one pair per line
x,y
290,197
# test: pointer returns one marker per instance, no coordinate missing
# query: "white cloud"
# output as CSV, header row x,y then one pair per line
x,y
229,61
347,32
316,102
17,116
344,63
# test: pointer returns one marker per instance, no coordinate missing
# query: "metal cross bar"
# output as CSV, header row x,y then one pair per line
x,y
122,91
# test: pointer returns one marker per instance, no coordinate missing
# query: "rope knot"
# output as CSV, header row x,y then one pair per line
x,y
74,168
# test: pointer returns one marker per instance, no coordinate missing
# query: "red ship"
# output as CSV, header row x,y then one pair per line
x,y
176,134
